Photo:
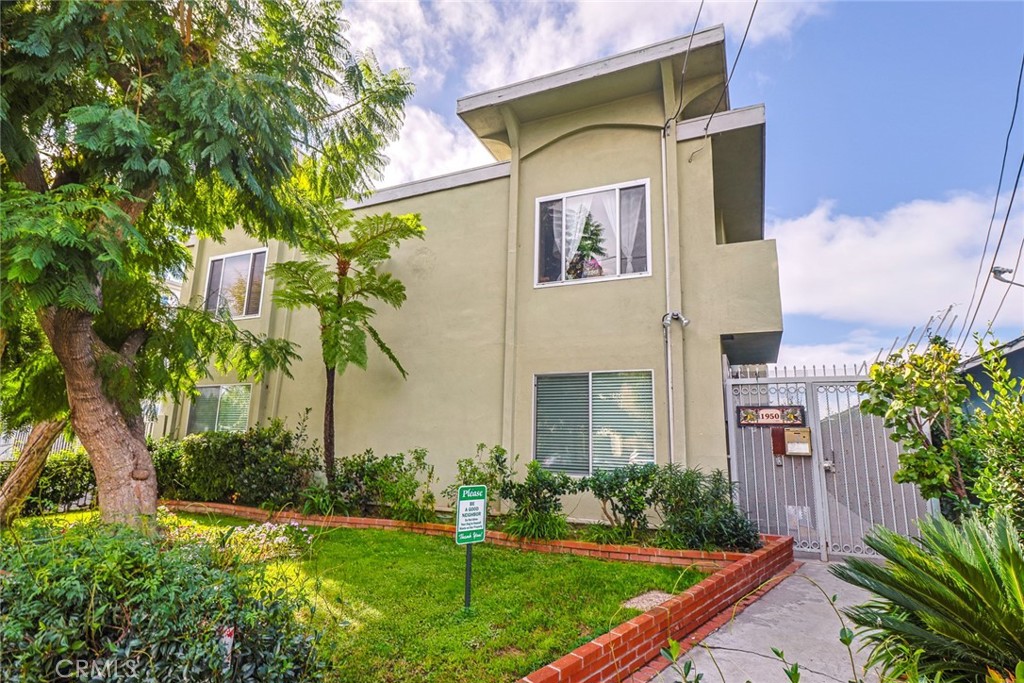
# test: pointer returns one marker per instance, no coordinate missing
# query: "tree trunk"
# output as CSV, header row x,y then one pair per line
x,y
22,479
329,427
115,441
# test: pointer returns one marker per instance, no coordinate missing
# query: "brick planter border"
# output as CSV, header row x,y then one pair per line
x,y
627,647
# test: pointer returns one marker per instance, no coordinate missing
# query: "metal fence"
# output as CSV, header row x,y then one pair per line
x,y
830,497
11,443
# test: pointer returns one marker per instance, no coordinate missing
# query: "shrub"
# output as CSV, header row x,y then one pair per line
x,y
317,500
130,609
66,480
953,597
996,435
265,466
697,512
491,467
396,486
167,457
625,496
537,505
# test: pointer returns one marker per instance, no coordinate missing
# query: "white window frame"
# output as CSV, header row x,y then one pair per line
x,y
646,183
590,412
224,257
216,419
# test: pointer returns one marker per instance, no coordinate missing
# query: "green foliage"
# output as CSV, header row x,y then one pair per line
x,y
697,512
317,500
588,248
396,486
536,503
920,394
123,127
265,466
140,610
996,435
66,479
490,467
954,596
625,494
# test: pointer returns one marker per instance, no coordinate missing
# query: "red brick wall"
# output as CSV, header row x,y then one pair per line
x,y
627,647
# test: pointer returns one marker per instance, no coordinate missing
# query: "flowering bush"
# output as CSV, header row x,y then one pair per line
x,y
248,544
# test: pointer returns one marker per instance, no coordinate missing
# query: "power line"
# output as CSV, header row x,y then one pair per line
x,y
999,242
733,70
1020,250
682,76
995,204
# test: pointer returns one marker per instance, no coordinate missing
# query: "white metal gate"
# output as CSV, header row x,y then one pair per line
x,y
828,500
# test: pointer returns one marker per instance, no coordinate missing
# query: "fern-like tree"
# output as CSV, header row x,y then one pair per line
x,y
340,276
126,125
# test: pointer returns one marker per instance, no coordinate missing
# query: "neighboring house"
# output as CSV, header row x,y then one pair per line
x,y
516,330
1013,352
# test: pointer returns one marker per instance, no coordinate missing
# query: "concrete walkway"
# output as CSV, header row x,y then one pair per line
x,y
794,617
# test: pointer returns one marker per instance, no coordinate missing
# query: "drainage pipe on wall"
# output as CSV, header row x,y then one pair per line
x,y
666,320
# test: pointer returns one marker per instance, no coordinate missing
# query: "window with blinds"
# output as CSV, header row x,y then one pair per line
x,y
594,421
220,408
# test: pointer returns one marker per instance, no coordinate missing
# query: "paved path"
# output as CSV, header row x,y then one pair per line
x,y
794,617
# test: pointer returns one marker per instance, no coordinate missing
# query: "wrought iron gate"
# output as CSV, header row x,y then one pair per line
x,y
829,500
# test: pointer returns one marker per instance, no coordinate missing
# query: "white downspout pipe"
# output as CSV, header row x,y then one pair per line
x,y
666,320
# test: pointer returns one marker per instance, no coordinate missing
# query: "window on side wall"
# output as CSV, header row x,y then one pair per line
x,y
234,284
596,234
594,421
220,408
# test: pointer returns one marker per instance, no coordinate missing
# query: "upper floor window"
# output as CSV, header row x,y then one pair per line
x,y
220,408
235,283
594,234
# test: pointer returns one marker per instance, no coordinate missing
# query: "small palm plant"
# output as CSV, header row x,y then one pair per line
x,y
951,602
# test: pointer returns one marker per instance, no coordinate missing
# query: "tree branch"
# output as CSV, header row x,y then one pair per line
x,y
133,343
31,175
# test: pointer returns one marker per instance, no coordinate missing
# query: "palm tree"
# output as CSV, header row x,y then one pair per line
x,y
344,289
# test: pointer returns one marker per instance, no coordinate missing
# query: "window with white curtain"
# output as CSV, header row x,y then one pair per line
x,y
594,421
593,234
234,283
220,408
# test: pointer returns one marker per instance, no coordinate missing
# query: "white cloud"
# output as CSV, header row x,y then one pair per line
x,y
859,347
428,146
481,45
896,269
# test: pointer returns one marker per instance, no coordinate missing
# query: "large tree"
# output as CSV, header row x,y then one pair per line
x,y
123,127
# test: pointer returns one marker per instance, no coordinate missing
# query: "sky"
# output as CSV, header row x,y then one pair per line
x,y
886,125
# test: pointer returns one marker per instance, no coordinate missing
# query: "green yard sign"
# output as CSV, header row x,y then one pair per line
x,y
470,525
471,515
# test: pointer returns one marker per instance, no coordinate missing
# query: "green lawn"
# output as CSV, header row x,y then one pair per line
x,y
396,604
390,603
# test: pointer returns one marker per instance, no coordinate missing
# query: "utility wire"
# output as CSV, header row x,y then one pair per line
x,y
682,76
995,204
999,242
1020,250
733,70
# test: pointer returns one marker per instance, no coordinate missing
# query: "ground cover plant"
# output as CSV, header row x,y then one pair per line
x,y
388,604
80,600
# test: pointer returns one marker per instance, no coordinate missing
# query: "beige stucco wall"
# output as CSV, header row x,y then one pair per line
x,y
469,319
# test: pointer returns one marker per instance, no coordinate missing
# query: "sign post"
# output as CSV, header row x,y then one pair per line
x,y
470,525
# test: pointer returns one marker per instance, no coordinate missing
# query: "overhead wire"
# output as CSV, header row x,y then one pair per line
x,y
965,330
735,61
728,80
682,75
1020,250
995,254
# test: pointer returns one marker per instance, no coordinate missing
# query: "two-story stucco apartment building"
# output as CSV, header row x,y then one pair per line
x,y
572,301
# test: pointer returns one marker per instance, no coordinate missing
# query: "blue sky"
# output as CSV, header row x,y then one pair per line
x,y
886,125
